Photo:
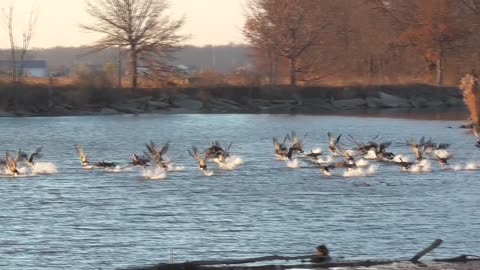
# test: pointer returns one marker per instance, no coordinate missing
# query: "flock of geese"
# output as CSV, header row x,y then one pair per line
x,y
289,148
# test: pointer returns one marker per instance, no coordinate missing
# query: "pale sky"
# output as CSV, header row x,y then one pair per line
x,y
214,22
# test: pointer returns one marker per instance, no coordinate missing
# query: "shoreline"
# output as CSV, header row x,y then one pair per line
x,y
406,101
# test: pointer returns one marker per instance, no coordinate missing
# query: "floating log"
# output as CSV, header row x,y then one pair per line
x,y
306,262
422,253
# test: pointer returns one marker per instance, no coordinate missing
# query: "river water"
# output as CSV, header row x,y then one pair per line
x,y
60,216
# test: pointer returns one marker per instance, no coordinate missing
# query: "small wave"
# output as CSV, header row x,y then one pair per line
x,y
317,150
155,173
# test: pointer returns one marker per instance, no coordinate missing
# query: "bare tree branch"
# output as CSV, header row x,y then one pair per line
x,y
140,25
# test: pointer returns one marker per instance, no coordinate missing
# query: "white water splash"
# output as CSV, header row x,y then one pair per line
x,y
231,163
154,173
370,155
172,168
362,163
119,169
360,172
317,150
207,173
422,166
293,164
441,153
43,168
471,166
372,170
399,158
457,167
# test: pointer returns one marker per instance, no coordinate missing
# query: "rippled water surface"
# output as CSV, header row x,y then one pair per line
x,y
92,219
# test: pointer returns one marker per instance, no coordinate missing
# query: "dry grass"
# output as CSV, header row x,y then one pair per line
x,y
471,96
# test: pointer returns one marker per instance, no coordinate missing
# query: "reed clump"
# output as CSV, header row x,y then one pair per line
x,y
471,96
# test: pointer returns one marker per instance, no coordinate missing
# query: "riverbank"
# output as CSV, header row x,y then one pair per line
x,y
352,100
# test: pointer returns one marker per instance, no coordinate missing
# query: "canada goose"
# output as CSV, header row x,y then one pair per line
x,y
81,154
382,153
156,154
321,254
314,154
280,148
297,144
202,165
325,169
139,160
404,164
216,151
418,148
34,155
12,163
333,142
442,156
103,164
364,148
222,155
86,163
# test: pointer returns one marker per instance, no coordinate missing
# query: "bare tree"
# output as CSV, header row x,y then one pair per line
x,y
141,26
289,29
8,20
27,35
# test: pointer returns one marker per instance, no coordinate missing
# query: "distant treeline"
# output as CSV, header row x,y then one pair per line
x,y
222,59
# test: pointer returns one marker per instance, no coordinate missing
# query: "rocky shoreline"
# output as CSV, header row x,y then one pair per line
x,y
259,101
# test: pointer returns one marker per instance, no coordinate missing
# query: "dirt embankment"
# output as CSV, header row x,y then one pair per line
x,y
42,101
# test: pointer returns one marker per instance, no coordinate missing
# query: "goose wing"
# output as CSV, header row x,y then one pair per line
x,y
164,149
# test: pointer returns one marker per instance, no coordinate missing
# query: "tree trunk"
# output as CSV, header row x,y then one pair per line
x,y
133,66
440,70
293,72
293,58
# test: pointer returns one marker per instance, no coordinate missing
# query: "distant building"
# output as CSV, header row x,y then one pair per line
x,y
31,68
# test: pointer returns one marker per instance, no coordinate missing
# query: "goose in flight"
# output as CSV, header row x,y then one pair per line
x,y
202,165
280,148
157,154
297,144
12,163
82,156
333,142
35,155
